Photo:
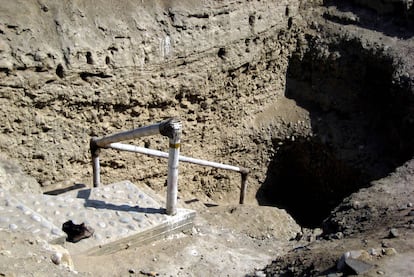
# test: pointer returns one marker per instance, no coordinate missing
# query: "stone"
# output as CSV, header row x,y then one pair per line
x,y
358,266
360,255
393,233
61,256
356,205
13,178
124,219
374,252
338,235
389,251
259,273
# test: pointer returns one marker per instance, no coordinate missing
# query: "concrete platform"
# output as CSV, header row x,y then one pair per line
x,y
17,217
121,214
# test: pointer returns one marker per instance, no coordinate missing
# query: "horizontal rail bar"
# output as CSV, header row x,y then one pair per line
x,y
156,153
164,128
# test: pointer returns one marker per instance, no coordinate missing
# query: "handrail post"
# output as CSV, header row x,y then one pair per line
x,y
244,172
172,130
95,150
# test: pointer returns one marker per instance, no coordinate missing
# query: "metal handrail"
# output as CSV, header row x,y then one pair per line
x,y
172,129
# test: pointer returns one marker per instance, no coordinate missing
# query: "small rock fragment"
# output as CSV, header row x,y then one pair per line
x,y
62,257
374,252
358,266
148,273
360,255
338,235
389,251
259,273
393,233
356,205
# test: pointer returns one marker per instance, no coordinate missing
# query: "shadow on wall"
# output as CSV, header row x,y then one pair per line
x,y
363,126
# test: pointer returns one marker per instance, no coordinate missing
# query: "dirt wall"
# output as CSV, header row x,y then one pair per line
x,y
72,70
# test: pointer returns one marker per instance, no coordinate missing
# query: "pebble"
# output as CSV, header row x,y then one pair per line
x,y
338,235
373,252
259,273
389,251
61,256
138,218
36,218
13,227
358,266
132,227
385,244
56,231
393,233
124,219
356,205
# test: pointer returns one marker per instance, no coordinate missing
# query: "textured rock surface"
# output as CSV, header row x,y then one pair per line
x,y
13,179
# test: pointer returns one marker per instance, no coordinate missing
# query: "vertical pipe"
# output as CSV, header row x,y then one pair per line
x,y
95,162
243,187
174,134
96,171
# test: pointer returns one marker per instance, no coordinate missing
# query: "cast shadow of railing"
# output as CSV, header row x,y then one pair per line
x,y
100,204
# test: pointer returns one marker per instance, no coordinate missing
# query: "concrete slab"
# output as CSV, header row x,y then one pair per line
x,y
17,217
121,214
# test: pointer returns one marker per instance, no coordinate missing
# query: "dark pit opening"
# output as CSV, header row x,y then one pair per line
x,y
362,121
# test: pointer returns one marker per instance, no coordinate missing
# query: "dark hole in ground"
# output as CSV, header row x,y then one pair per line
x,y
362,121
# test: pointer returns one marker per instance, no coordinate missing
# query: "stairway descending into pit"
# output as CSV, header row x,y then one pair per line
x,y
122,215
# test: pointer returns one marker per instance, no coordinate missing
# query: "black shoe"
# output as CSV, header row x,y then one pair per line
x,y
76,232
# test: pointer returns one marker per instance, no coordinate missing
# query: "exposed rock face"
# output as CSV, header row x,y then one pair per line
x,y
13,179
74,70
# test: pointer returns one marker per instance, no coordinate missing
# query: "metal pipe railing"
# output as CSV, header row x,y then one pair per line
x,y
170,128
244,172
161,154
165,128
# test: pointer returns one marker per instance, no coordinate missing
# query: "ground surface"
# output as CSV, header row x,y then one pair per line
x,y
250,81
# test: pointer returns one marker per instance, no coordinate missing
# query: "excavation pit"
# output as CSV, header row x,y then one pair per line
x,y
361,116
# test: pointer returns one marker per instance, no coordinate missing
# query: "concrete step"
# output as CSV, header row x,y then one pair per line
x,y
121,214
18,217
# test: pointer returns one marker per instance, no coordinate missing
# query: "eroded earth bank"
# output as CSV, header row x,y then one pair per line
x,y
314,97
